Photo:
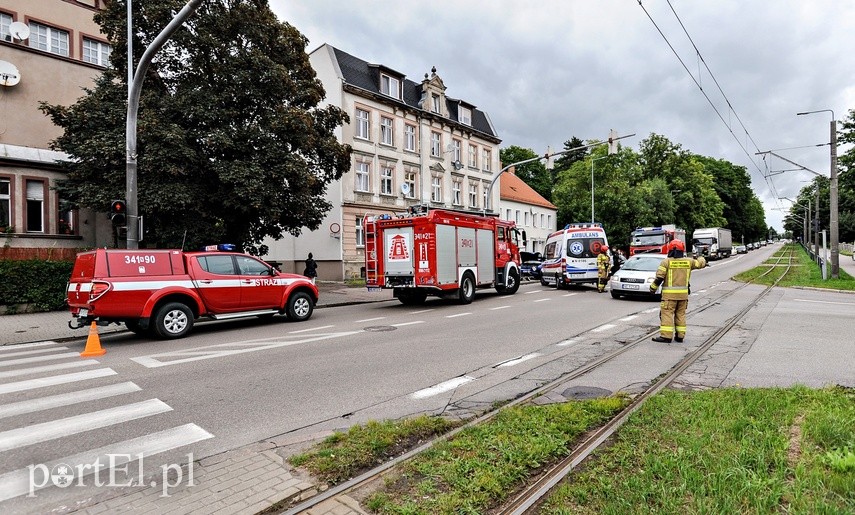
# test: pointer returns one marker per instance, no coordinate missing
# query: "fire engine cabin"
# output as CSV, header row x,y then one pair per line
x,y
654,239
442,253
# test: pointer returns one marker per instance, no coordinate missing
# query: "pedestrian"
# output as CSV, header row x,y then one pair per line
x,y
617,261
603,267
311,270
673,274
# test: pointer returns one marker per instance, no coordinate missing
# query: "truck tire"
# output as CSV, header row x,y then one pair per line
x,y
173,320
299,306
466,292
513,284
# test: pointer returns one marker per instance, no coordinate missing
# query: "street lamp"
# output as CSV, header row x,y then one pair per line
x,y
806,236
592,184
832,208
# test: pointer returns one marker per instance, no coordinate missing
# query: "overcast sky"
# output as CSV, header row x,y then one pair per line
x,y
548,70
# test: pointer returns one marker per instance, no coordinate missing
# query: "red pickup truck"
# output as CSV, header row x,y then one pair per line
x,y
165,291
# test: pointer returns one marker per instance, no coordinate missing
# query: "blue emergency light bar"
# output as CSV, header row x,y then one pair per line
x,y
582,225
222,247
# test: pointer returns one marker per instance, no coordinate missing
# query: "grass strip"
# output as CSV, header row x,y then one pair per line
x,y
482,465
806,274
724,451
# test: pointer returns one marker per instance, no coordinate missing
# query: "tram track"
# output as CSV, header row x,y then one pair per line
x,y
533,493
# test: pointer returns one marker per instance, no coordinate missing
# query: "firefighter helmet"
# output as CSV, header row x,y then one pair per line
x,y
677,245
604,248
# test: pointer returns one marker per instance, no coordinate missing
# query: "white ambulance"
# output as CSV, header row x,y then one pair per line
x,y
570,255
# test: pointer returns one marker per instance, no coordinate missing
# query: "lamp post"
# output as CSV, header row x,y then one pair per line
x,y
806,236
592,184
832,207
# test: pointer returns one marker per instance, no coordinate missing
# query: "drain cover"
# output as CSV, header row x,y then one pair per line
x,y
379,328
585,392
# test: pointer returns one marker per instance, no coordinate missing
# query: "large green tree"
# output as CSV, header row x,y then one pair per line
x,y
846,180
232,145
534,173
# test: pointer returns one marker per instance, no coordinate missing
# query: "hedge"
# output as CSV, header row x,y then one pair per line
x,y
37,283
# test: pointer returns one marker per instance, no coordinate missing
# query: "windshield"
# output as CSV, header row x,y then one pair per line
x,y
642,263
649,239
584,247
702,241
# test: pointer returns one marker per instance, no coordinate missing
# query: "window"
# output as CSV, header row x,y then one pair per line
x,y
5,202
457,154
465,115
410,181
457,191
390,86
220,265
473,156
473,195
363,170
435,144
541,221
35,206
360,232
487,158
436,189
410,137
64,221
5,21
249,266
48,39
517,217
96,52
386,131
386,180
484,189
533,220
434,105
526,219
549,221
362,125
508,214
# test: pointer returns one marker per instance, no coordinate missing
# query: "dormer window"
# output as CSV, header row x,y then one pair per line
x,y
465,115
434,103
390,86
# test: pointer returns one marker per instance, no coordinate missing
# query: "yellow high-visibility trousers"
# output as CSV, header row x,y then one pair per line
x,y
672,318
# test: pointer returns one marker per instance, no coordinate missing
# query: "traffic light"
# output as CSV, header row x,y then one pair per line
x,y
118,212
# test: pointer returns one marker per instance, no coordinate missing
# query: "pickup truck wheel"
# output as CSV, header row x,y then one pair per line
x,y
466,292
300,306
173,320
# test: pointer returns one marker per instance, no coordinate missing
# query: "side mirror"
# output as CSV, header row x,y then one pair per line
x,y
524,238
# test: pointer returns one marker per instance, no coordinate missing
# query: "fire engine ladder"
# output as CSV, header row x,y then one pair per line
x,y
370,225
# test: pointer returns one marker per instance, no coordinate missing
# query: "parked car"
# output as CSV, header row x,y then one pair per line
x,y
530,264
635,277
741,249
749,246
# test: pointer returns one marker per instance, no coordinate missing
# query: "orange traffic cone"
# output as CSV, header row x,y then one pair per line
x,y
93,344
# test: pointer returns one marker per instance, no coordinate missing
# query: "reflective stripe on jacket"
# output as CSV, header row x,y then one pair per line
x,y
674,274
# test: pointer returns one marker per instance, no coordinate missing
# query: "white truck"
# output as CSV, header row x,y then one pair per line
x,y
712,242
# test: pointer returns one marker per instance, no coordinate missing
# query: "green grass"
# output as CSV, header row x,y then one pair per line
x,y
724,451
343,455
482,465
806,274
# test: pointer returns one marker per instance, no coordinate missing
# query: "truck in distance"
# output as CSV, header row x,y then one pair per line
x,y
712,242
654,239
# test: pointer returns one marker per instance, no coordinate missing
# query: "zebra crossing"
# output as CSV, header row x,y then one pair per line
x,y
48,398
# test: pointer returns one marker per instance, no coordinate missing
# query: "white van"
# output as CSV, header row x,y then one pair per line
x,y
570,255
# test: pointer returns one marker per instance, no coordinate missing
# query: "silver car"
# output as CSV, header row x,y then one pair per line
x,y
635,277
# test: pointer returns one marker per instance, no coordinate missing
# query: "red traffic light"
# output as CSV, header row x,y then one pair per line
x,y
118,210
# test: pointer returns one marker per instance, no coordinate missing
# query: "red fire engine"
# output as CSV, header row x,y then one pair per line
x,y
654,239
441,252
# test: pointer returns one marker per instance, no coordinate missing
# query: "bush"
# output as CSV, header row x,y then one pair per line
x,y
40,284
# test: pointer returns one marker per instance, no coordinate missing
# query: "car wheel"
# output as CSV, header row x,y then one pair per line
x,y
173,320
615,295
466,292
300,306
513,284
559,282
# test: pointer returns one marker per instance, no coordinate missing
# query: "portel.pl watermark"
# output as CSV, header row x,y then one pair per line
x,y
120,472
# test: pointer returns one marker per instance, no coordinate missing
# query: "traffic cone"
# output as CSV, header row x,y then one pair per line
x,y
93,344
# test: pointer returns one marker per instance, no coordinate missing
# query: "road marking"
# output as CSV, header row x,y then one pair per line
x,y
26,346
421,311
366,320
222,349
17,482
534,291
516,361
651,310
500,307
37,433
402,324
542,300
628,318
570,294
48,368
604,327
36,359
312,329
824,302
66,399
32,384
565,343
451,384
31,352
703,291
457,315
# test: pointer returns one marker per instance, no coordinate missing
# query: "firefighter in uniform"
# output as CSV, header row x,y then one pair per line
x,y
673,274
603,266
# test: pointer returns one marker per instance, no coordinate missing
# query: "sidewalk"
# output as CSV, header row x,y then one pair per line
x,y
53,325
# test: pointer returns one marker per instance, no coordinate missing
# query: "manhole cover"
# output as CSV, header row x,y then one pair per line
x,y
585,392
379,328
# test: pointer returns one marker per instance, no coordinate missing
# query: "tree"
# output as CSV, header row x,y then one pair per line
x,y
232,144
846,180
534,174
565,161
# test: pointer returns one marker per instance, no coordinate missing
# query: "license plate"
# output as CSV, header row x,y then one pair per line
x,y
373,289
83,312
630,286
